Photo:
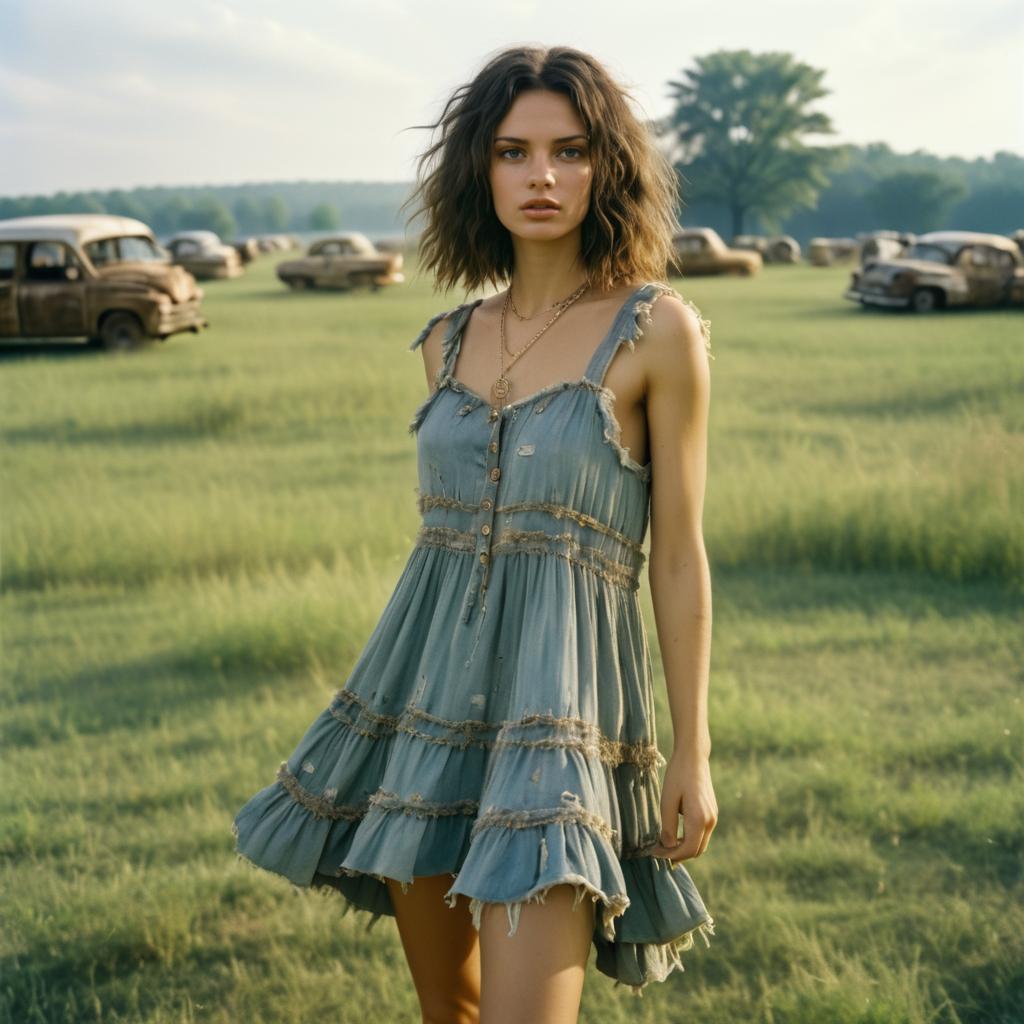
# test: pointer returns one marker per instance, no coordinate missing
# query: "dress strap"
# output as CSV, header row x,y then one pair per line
x,y
452,336
626,327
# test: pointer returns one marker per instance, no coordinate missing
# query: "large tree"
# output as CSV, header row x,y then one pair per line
x,y
737,131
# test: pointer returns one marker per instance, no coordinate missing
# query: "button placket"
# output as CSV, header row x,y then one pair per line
x,y
485,523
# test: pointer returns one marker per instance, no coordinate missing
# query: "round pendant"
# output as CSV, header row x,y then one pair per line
x,y
501,388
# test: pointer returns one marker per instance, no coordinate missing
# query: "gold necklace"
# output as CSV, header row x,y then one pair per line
x,y
512,303
561,307
501,388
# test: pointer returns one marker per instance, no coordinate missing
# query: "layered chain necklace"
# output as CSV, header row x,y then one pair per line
x,y
501,388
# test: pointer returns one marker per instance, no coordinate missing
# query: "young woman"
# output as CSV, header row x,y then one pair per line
x,y
493,753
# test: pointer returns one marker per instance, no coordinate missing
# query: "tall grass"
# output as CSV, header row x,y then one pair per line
x,y
197,540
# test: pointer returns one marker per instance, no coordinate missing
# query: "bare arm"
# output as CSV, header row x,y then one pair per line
x,y
678,398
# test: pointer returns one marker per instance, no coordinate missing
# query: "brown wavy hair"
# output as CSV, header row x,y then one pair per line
x,y
627,232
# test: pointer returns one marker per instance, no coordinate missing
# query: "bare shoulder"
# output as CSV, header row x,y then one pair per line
x,y
431,341
677,340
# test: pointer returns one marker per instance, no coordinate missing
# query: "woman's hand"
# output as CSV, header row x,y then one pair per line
x,y
687,790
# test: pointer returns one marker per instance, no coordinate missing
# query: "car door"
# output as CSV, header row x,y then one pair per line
x,y
326,268
8,290
989,272
51,294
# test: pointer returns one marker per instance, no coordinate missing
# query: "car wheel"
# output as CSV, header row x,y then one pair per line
x,y
121,331
924,300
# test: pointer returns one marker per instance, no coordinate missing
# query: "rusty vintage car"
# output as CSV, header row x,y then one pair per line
x,y
96,276
700,251
204,255
943,269
773,248
343,261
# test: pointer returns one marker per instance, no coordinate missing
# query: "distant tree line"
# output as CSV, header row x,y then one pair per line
x,y
235,210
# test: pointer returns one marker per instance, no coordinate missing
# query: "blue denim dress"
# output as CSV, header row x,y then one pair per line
x,y
499,724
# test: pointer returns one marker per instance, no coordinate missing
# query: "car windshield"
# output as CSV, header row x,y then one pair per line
x,y
125,249
927,251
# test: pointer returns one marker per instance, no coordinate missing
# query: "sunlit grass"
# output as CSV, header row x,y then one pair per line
x,y
197,540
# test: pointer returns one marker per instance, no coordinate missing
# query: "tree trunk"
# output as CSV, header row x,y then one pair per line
x,y
737,221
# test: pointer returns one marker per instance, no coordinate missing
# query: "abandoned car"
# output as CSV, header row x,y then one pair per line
x,y
823,252
343,261
943,269
96,276
882,244
773,248
699,251
204,255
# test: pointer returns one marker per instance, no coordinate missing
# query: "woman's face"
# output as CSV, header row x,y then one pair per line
x,y
540,151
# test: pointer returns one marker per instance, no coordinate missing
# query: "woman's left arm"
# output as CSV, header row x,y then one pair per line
x,y
678,393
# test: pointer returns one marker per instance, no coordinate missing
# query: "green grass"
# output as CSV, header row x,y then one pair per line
x,y
198,539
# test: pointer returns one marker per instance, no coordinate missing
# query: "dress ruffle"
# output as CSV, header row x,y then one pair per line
x,y
428,795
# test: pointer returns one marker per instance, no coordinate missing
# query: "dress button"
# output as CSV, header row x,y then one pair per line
x,y
495,473
486,503
483,557
493,446
485,529
492,415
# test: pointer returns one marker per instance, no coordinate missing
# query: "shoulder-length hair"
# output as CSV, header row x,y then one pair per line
x,y
627,232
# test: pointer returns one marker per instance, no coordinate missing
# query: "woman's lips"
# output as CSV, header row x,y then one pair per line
x,y
540,212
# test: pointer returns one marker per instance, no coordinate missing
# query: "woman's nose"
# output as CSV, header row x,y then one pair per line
x,y
541,172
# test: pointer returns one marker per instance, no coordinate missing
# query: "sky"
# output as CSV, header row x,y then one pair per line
x,y
121,93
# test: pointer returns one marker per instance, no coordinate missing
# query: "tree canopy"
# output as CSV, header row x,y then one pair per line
x,y
738,129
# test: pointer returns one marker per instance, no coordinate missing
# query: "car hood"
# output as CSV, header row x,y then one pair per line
x,y
175,281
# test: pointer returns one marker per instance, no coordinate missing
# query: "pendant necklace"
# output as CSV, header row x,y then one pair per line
x,y
501,388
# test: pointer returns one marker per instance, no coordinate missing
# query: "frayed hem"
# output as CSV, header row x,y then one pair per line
x,y
613,906
675,947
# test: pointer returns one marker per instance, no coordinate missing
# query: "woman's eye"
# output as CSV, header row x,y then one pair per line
x,y
515,149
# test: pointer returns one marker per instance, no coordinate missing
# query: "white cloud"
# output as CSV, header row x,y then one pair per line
x,y
225,90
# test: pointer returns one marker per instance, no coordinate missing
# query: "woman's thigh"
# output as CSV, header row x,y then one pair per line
x,y
442,948
536,974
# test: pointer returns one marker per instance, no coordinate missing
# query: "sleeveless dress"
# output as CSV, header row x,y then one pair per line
x,y
499,724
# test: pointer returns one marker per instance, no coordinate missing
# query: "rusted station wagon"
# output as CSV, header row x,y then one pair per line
x,y
773,248
95,276
343,261
204,255
943,269
702,251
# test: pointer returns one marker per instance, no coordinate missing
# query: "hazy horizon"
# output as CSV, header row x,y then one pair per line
x,y
217,92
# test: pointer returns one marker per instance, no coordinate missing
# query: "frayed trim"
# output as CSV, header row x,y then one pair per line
x,y
571,810
562,545
631,332
436,318
613,906
675,962
590,738
613,435
425,502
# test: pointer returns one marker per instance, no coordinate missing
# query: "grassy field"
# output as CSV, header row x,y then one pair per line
x,y
197,540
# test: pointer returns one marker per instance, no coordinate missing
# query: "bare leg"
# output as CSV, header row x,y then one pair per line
x,y
442,949
537,974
